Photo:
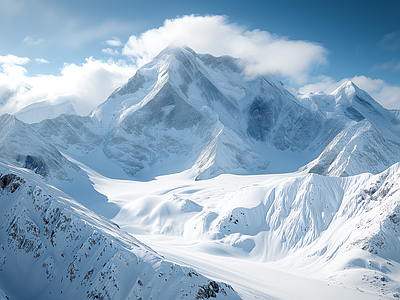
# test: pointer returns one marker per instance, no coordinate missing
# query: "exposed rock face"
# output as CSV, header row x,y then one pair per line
x,y
36,164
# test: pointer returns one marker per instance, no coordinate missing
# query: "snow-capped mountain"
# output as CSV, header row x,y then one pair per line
x,y
188,111
56,248
369,143
193,156
186,104
174,107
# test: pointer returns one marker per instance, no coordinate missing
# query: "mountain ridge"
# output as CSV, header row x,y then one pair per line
x,y
175,104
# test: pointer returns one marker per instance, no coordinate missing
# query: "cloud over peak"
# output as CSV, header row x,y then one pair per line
x,y
216,35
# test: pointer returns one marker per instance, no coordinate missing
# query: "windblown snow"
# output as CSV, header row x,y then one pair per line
x,y
236,189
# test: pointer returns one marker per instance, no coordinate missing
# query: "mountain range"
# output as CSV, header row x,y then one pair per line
x,y
190,147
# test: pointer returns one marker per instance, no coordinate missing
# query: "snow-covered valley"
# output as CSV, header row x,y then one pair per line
x,y
339,236
238,187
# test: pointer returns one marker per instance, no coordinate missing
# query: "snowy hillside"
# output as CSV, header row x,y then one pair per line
x,y
56,248
342,230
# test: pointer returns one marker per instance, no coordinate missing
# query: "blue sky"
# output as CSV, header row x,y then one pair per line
x,y
310,45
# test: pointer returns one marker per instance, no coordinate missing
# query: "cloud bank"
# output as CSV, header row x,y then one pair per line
x,y
291,59
85,86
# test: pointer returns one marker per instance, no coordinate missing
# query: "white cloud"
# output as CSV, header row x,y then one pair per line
x,y
114,42
215,35
86,85
13,60
13,71
40,61
110,51
387,95
30,40
391,41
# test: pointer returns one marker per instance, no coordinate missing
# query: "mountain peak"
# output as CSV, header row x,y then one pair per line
x,y
175,50
349,87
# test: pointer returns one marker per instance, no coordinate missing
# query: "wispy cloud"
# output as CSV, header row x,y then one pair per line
x,y
30,40
393,65
40,61
114,42
386,94
13,60
292,59
110,51
76,33
391,41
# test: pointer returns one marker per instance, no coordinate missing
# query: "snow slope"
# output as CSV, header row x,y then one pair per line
x,y
56,248
341,230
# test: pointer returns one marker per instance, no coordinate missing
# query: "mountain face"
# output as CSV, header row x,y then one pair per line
x,y
185,104
83,134
22,146
62,250
369,143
